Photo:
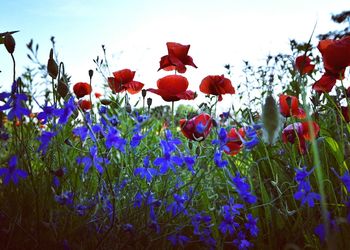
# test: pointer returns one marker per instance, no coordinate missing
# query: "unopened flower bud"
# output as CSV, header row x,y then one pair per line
x,y
10,43
128,108
52,67
271,119
105,101
62,88
143,92
149,102
91,73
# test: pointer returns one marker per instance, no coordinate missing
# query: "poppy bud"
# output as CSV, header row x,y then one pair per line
x,y
10,43
105,102
91,73
62,88
143,92
149,102
271,119
52,67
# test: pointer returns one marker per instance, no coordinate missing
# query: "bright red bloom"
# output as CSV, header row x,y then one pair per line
x,y
197,128
336,57
177,58
82,89
98,95
123,80
234,143
85,105
216,85
299,132
289,106
303,64
173,88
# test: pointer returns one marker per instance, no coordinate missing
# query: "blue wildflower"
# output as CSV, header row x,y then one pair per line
x,y
252,138
304,193
168,160
197,220
218,161
47,113
11,172
16,106
66,198
345,178
241,242
229,213
178,206
243,188
146,172
114,139
178,239
251,225
45,140
136,139
222,140
189,162
67,111
92,159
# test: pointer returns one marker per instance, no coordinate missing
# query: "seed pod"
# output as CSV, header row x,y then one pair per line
x,y
52,67
271,119
10,43
143,92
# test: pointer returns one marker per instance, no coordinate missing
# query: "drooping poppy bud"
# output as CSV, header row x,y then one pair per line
x,y
62,88
91,73
52,67
81,89
9,43
149,102
271,119
105,101
197,128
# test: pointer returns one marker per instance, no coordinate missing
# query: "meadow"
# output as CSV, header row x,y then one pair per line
x,y
92,171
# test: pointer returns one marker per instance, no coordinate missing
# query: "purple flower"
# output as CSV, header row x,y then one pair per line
x,y
136,139
47,113
190,161
67,111
345,178
243,188
66,198
92,159
178,239
241,242
113,139
11,172
168,160
45,139
229,213
218,161
146,172
178,206
305,195
251,225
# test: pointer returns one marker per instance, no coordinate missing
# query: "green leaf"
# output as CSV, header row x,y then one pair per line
x,y
335,149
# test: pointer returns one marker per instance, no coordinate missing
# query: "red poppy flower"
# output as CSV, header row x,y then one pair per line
x,y
197,128
216,85
85,105
336,57
98,95
173,88
122,80
299,132
82,89
177,58
234,143
303,64
289,106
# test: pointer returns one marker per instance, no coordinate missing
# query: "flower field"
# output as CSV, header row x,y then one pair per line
x,y
92,171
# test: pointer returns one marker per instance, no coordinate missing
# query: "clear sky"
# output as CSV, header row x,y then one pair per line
x,y
135,32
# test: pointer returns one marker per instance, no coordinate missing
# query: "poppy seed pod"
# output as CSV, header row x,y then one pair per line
x,y
9,42
52,67
105,102
149,102
143,92
62,88
271,119
91,73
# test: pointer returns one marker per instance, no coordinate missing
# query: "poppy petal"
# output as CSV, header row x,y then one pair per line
x,y
134,87
325,84
174,84
123,76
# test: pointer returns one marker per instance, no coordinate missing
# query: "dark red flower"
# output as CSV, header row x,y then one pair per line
x,y
85,105
82,89
177,58
299,132
216,85
197,128
173,88
345,112
336,57
303,64
289,106
234,143
123,80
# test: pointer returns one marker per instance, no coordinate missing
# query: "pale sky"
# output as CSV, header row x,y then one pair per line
x,y
135,33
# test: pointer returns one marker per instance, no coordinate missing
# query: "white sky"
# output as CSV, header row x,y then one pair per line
x,y
135,33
